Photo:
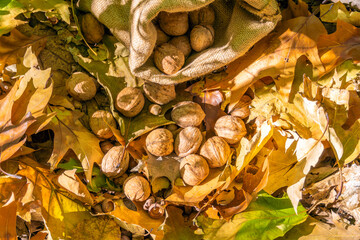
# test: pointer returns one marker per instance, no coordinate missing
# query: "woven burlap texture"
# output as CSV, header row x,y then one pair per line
x,y
239,25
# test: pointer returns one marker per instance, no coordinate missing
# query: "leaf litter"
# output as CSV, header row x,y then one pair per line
x,y
293,176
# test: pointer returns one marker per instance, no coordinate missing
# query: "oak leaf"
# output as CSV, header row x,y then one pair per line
x,y
14,46
69,133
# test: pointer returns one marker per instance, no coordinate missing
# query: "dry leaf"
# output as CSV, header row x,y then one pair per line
x,y
14,46
8,219
69,133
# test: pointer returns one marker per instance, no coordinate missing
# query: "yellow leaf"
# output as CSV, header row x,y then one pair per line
x,y
60,212
339,46
137,220
69,133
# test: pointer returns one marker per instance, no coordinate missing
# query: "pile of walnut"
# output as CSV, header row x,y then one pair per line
x,y
185,137
176,40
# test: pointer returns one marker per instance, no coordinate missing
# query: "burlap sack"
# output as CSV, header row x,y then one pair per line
x,y
239,25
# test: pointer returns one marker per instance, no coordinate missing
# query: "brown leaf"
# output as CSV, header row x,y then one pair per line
x,y
14,46
137,220
8,219
176,227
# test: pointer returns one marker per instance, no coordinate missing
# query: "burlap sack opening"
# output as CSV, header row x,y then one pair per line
x,y
239,25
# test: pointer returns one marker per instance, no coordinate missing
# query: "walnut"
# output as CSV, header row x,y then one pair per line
x,y
106,146
107,205
92,29
81,86
160,94
130,101
194,169
242,112
99,124
216,151
203,16
161,36
172,127
160,142
232,129
137,188
156,211
155,109
183,44
187,114
188,141
202,37
115,162
168,58
174,24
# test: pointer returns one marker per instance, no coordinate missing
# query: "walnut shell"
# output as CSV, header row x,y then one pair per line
x,y
115,162
183,44
81,86
92,29
187,114
160,94
188,141
194,169
155,109
202,37
168,58
216,151
137,188
161,37
130,101
105,146
242,112
232,129
174,24
203,16
99,123
160,142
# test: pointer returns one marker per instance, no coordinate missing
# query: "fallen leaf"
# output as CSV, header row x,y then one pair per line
x,y
191,195
176,228
280,52
60,212
13,47
10,10
100,227
299,9
265,218
314,229
168,166
69,133
254,179
72,183
290,159
137,220
339,46
337,11
8,219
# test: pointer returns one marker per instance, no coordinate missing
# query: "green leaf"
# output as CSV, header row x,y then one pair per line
x,y
61,7
9,9
71,164
265,219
